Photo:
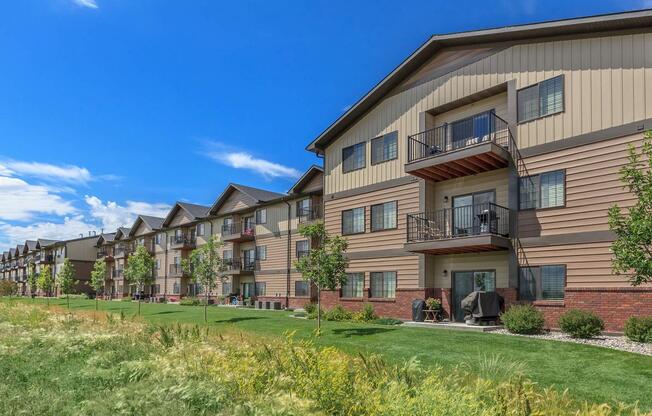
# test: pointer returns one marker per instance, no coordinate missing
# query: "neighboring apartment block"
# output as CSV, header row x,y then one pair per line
x,y
488,160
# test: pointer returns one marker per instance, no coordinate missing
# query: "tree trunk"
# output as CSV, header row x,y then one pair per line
x,y
318,311
206,308
68,301
96,302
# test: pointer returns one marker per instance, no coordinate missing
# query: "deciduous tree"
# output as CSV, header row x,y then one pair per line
x,y
206,266
66,279
45,281
140,270
98,274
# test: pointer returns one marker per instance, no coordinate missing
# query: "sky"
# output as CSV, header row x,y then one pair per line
x,y
114,108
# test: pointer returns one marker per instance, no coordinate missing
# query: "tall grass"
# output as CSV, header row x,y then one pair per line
x,y
55,363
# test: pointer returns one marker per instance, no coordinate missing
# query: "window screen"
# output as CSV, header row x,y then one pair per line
x,y
542,282
383,216
261,252
261,288
546,190
301,288
303,248
384,148
261,216
353,221
354,285
383,284
353,157
542,99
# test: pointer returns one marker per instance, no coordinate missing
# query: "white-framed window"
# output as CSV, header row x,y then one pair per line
x,y
384,148
383,284
353,221
541,99
354,286
201,228
261,216
353,157
383,216
546,282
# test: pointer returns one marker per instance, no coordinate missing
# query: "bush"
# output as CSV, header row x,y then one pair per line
x,y
310,308
639,329
367,313
8,288
433,304
74,296
581,324
523,319
126,299
338,313
387,321
190,302
313,314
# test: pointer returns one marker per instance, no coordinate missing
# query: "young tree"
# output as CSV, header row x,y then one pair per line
x,y
32,280
45,281
205,265
98,274
632,248
140,270
324,266
66,279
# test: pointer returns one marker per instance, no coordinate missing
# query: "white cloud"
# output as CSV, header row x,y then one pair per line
x,y
242,160
91,4
46,171
71,227
111,215
22,201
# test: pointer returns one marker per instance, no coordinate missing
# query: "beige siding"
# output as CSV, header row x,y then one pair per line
x,y
406,268
314,185
276,252
592,186
142,230
496,180
235,202
497,261
408,202
608,82
181,217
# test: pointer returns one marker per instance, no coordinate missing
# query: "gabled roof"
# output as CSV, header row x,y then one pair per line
x,y
19,249
195,211
153,223
305,178
42,243
258,196
105,238
30,245
575,26
121,233
5,255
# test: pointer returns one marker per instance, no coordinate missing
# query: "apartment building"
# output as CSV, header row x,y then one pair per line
x,y
105,252
260,232
3,264
122,247
488,160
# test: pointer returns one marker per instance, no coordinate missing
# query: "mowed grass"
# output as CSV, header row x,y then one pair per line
x,y
588,373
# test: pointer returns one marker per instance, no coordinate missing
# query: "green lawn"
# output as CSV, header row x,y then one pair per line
x,y
589,373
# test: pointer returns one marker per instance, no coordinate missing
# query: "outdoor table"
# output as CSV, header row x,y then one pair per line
x,y
431,315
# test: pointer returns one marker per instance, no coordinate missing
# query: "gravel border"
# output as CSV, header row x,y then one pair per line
x,y
606,341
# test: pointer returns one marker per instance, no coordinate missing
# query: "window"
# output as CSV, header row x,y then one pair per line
x,y
353,221
384,148
157,239
227,254
383,285
226,288
201,228
176,289
542,282
157,289
383,216
546,190
158,264
261,252
261,288
303,248
354,285
261,216
303,207
353,157
301,288
542,99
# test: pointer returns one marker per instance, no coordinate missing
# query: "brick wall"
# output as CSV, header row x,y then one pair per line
x,y
613,305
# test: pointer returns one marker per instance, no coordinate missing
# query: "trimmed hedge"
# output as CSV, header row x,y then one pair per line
x,y
523,319
581,324
639,329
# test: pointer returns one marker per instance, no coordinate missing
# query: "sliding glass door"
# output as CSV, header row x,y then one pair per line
x,y
467,282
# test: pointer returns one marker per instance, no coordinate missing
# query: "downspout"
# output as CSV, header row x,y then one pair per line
x,y
289,257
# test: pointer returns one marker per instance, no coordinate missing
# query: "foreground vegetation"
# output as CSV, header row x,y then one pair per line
x,y
58,363
589,373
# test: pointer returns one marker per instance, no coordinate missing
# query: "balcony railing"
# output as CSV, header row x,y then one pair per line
x,y
471,220
309,214
237,265
118,273
481,128
104,253
123,250
176,270
184,240
238,229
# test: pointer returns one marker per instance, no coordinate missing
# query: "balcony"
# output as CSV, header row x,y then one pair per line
x,y
238,232
474,145
105,254
176,270
123,250
468,229
238,266
117,273
183,242
43,258
309,214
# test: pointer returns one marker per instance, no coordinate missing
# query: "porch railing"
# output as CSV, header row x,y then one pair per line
x,y
238,228
470,220
309,214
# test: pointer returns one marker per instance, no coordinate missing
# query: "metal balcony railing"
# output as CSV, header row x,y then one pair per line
x,y
309,214
480,128
238,228
470,220
185,240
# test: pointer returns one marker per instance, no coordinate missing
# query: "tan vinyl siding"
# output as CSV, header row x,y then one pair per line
x,y
498,103
314,185
408,202
592,186
142,230
587,265
276,252
496,180
235,202
497,261
607,82
406,268
181,217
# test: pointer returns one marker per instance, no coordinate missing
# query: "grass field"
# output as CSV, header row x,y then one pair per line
x,y
588,373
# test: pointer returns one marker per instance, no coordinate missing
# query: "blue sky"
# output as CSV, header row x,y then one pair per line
x,y
110,108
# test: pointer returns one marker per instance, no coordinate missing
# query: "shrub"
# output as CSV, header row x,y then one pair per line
x,y
190,302
433,304
310,308
581,324
313,314
523,319
338,313
162,300
639,329
367,313
8,288
300,315
74,296
387,321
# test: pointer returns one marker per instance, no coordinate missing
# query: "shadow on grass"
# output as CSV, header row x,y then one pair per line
x,y
164,312
238,319
351,332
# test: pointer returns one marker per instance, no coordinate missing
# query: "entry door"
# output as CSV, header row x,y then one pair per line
x,y
467,282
